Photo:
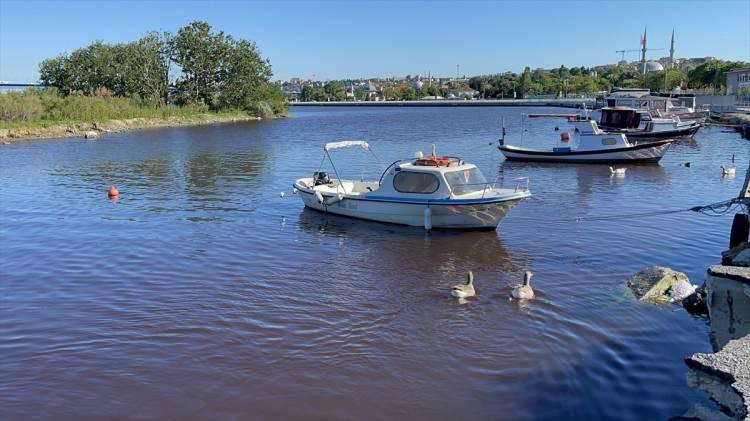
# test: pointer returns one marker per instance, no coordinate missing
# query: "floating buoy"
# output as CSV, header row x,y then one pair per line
x,y
113,192
687,164
565,136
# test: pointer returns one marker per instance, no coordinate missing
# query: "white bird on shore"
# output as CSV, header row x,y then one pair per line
x,y
523,291
281,195
617,171
728,170
464,290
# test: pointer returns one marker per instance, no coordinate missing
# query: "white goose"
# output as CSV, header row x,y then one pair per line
x,y
464,290
728,170
523,291
617,171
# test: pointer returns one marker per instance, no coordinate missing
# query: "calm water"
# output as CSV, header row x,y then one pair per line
x,y
203,294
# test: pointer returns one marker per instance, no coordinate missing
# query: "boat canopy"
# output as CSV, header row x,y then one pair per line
x,y
346,144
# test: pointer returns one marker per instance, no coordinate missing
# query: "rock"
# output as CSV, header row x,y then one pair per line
x,y
90,134
4,133
696,303
653,284
737,256
725,375
681,290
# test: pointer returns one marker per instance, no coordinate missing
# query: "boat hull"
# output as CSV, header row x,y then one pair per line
x,y
686,132
645,153
480,215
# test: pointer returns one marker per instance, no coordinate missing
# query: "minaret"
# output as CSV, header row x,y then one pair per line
x,y
671,52
643,51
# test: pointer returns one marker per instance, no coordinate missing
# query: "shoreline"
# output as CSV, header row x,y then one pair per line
x,y
96,128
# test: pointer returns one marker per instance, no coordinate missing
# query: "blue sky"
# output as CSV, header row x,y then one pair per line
x,y
337,39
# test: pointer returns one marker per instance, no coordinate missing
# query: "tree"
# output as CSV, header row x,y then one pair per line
x,y
335,90
200,54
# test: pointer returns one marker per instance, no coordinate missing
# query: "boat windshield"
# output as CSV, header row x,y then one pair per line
x,y
466,181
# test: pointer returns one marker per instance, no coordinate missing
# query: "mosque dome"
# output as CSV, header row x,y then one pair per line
x,y
652,66
417,85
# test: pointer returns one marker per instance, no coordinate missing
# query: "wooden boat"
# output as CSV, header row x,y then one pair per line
x,y
590,145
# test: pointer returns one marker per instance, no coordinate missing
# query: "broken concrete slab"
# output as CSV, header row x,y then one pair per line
x,y
725,375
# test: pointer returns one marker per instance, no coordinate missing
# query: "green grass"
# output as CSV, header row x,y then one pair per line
x,y
43,108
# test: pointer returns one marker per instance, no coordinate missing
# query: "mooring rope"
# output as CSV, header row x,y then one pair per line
x,y
713,209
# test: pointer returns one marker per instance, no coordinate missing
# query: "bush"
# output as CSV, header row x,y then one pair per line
x,y
34,105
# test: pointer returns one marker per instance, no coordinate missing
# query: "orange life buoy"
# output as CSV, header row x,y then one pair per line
x,y
434,161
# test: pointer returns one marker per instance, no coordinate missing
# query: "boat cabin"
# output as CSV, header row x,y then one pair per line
x,y
620,118
432,178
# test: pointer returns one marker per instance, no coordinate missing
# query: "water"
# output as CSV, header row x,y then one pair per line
x,y
203,294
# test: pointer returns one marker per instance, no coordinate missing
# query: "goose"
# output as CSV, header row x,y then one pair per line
x,y
523,291
464,290
617,171
727,170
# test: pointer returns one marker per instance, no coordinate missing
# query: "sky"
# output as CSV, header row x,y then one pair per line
x,y
326,40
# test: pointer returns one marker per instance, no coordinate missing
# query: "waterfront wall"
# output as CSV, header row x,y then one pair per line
x,y
567,103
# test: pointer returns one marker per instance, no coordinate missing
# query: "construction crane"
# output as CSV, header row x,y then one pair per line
x,y
638,50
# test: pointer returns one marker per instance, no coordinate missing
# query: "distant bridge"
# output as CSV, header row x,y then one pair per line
x,y
561,102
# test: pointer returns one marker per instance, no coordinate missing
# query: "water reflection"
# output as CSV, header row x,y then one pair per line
x,y
398,246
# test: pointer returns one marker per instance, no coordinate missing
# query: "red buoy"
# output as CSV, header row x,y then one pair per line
x,y
112,192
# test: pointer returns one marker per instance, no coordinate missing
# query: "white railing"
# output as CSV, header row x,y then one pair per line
x,y
521,185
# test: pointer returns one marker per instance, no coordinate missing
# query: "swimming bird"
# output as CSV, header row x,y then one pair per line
x,y
617,171
281,195
523,291
464,290
687,164
727,170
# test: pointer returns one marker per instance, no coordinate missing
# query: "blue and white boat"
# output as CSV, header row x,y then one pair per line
x,y
432,192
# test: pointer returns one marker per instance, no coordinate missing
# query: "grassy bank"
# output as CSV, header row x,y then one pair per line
x,y
45,114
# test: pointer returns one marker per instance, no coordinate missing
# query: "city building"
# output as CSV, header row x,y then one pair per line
x,y
737,80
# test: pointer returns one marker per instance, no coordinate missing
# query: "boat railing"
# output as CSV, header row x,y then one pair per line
x,y
521,185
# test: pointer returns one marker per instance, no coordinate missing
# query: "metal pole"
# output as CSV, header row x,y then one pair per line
x,y
335,171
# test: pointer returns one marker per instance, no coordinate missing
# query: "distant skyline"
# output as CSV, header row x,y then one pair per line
x,y
339,40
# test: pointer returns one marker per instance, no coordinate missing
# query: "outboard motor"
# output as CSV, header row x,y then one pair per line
x,y
321,178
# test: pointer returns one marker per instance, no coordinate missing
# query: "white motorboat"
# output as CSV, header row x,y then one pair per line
x,y
432,192
589,145
640,125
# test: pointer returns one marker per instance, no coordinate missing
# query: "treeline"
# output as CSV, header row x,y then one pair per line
x,y
579,80
194,67
335,90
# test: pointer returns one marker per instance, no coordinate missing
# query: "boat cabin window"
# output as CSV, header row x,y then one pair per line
x,y
415,182
620,119
609,141
466,181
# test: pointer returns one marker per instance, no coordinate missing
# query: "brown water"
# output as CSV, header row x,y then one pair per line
x,y
203,294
